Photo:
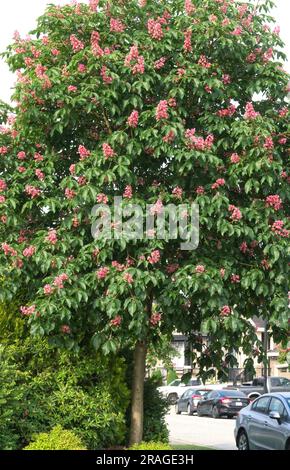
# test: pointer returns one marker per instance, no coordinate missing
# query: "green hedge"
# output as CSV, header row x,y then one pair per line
x,y
57,439
151,446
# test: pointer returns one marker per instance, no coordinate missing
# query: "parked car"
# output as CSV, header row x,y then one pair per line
x,y
219,403
265,424
189,400
256,387
175,389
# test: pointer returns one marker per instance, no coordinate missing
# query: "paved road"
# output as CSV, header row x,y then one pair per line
x,y
203,431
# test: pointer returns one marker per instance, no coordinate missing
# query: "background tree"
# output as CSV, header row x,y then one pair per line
x,y
152,100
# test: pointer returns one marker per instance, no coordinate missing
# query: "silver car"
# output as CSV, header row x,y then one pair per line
x,y
265,423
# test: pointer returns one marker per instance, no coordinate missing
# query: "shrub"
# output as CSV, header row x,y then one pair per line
x,y
57,439
151,446
171,375
155,409
157,377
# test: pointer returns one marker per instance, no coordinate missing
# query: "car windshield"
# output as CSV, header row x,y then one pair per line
x,y
175,383
231,393
280,382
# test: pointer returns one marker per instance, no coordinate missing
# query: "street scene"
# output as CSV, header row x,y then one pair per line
x,y
144,231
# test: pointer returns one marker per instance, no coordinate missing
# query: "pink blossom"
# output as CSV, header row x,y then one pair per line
x,y
139,67
93,4
3,185
155,29
69,193
105,77
76,43
157,208
265,264
235,278
102,198
32,191
250,112
235,158
2,199
102,273
282,113
8,250
128,278
38,157
235,213
40,175
171,268
162,110
219,182
65,329
108,151
177,192
158,64
55,52
155,319
277,30
282,141
21,155
154,257
169,137
128,193
83,152
82,180
116,321
27,311
229,111
278,229
274,201
199,190
59,280
268,144
189,7
237,31
29,251
225,311
3,219
203,62
72,88
119,267
133,119
222,272
3,150
48,290
116,26
243,247
226,79
82,68
187,41
199,269
72,169
52,237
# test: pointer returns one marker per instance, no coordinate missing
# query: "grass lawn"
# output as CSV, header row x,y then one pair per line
x,y
189,447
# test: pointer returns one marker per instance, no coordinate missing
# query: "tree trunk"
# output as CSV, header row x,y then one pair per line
x,y
137,408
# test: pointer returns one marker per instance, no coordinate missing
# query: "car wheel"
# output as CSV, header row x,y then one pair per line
x,y
215,412
198,412
243,441
189,410
172,398
177,411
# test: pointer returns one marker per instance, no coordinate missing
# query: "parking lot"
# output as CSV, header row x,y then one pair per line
x,y
203,431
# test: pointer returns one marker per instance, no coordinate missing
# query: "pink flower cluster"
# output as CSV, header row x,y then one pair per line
x,y
8,250
29,251
187,41
274,201
268,144
171,268
250,112
59,280
227,112
161,110
102,273
198,143
69,193
72,88
3,150
225,311
52,237
77,45
203,62
65,329
116,321
48,289
108,152
116,26
93,4
83,152
199,190
189,7
199,269
235,158
278,229
32,191
177,192
27,311
96,48
133,119
155,29
235,213
235,278
21,155
3,185
138,65
128,193
169,137
128,278
105,77
102,198
154,257
155,319
157,208
219,182
244,247
158,64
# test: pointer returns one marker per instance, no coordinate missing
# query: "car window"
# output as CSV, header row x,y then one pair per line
x,y
261,405
174,383
211,395
277,405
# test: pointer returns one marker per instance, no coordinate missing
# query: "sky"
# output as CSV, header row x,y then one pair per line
x,y
21,15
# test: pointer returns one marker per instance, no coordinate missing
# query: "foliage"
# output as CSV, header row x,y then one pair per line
x,y
156,375
57,439
42,387
155,409
171,375
170,107
152,445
